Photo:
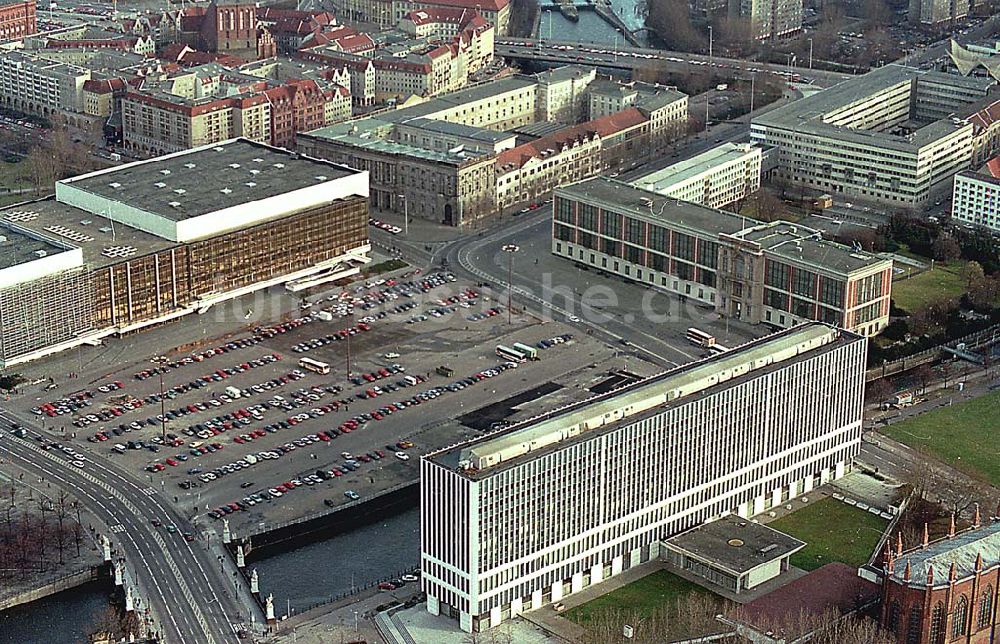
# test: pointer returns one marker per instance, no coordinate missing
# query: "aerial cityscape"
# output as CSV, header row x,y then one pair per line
x,y
499,321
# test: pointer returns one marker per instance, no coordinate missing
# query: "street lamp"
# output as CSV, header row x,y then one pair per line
x,y
810,53
159,361
406,214
510,249
710,43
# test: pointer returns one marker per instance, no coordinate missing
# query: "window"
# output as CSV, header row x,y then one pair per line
x,y
913,627
893,616
937,623
958,618
985,609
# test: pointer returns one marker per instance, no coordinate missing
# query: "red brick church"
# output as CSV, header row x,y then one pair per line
x,y
944,591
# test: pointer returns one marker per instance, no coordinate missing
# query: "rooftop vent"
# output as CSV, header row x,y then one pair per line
x,y
115,185
118,251
279,165
69,234
189,166
175,204
105,229
250,184
258,160
219,149
21,215
41,253
226,191
255,172
164,172
160,184
234,166
85,222
180,191
321,178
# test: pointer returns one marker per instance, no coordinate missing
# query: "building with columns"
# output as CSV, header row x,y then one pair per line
x,y
945,590
521,517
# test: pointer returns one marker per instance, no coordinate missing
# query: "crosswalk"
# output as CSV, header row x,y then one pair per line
x,y
118,528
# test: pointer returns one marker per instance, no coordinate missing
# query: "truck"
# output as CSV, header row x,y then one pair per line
x,y
445,371
233,392
900,400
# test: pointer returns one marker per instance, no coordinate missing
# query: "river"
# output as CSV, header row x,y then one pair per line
x,y
591,28
67,617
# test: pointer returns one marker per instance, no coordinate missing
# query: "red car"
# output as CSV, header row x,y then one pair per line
x,y
171,462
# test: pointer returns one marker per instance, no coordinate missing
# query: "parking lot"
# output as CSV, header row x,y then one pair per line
x,y
256,435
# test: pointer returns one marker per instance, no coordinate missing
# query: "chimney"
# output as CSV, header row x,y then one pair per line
x,y
906,571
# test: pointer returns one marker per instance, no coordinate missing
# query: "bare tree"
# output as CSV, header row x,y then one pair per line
x,y
924,375
946,248
879,390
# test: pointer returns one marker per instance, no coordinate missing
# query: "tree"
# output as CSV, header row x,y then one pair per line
x,y
767,206
946,248
10,381
972,273
522,17
985,293
671,20
43,170
924,374
879,390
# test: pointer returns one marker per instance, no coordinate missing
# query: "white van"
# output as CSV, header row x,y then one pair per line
x,y
233,392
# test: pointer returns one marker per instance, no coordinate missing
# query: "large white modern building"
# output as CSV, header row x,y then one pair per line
x,y
895,135
716,178
527,515
976,197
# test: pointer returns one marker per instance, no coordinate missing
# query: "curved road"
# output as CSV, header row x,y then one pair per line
x,y
190,598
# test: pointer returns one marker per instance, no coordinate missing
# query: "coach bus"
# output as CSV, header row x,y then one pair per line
x,y
700,338
510,354
314,365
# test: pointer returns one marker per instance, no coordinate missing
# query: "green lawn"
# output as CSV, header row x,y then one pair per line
x,y
962,435
10,176
643,595
833,531
943,282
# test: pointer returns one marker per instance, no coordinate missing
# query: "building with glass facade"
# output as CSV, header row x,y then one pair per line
x,y
526,515
135,245
776,273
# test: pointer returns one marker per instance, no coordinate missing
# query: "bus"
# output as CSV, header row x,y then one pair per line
x,y
314,365
700,338
510,354
531,353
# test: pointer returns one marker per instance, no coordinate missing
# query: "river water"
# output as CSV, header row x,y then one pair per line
x,y
66,617
591,28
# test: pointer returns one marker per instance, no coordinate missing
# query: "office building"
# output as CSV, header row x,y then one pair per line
x,y
716,178
769,19
527,515
976,197
776,273
937,14
943,590
492,157
893,135
140,244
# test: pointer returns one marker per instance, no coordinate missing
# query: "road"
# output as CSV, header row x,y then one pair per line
x,y
628,58
190,598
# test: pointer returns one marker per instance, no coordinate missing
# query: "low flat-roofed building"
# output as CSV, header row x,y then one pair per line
x,y
523,516
153,240
732,552
777,273
716,178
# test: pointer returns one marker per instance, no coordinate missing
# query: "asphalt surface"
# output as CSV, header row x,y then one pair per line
x,y
184,585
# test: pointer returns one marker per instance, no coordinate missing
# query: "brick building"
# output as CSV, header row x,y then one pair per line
x,y
946,590
17,19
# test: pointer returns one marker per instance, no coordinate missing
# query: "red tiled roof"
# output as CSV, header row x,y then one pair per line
x,y
518,156
103,86
993,167
834,586
614,123
482,5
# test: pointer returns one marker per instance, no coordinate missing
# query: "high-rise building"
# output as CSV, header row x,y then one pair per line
x,y
524,516
769,19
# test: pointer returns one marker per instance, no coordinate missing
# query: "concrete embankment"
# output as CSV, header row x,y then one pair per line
x,y
53,586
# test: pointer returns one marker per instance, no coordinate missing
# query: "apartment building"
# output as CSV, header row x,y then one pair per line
x,y
937,14
881,137
212,103
34,84
459,26
769,19
388,13
715,178
976,197
17,19
528,515
775,273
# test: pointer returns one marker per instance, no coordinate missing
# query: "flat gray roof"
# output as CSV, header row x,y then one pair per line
x,y
19,248
91,233
693,166
735,544
791,241
196,179
806,114
519,433
459,129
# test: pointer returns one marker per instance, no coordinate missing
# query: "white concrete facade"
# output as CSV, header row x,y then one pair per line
x,y
716,178
976,200
542,524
